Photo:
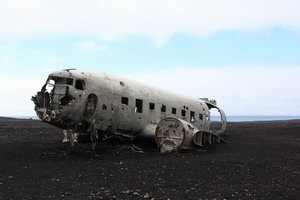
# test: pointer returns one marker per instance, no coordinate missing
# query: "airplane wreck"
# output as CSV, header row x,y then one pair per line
x,y
92,105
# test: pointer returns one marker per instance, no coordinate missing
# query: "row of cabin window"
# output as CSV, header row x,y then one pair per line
x,y
139,108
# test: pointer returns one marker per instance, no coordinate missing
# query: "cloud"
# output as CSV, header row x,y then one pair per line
x,y
155,19
239,90
90,46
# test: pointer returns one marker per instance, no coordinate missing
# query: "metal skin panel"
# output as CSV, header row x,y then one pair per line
x,y
112,117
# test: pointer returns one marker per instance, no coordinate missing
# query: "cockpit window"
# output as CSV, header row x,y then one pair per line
x,y
52,80
50,85
61,80
69,81
80,84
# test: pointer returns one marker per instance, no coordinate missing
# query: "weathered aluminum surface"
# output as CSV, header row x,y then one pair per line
x,y
90,102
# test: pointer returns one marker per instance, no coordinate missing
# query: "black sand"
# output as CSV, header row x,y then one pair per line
x,y
260,161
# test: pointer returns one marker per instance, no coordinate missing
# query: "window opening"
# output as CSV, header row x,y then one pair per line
x,y
69,81
60,80
163,108
80,85
138,106
192,116
50,85
151,106
124,100
206,118
174,111
200,116
183,113
104,107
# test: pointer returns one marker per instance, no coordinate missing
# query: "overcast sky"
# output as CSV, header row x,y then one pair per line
x,y
243,53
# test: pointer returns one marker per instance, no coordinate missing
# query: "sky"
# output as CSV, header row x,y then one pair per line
x,y
243,53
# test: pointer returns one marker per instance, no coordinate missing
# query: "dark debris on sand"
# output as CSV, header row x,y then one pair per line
x,y
261,160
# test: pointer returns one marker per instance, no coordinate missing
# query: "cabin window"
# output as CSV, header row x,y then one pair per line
x,y
183,113
206,118
192,116
124,100
151,106
80,85
138,106
163,108
174,111
200,116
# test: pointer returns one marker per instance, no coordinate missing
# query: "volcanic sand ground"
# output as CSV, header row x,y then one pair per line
x,y
261,160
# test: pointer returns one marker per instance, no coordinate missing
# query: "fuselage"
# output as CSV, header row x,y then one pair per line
x,y
74,99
